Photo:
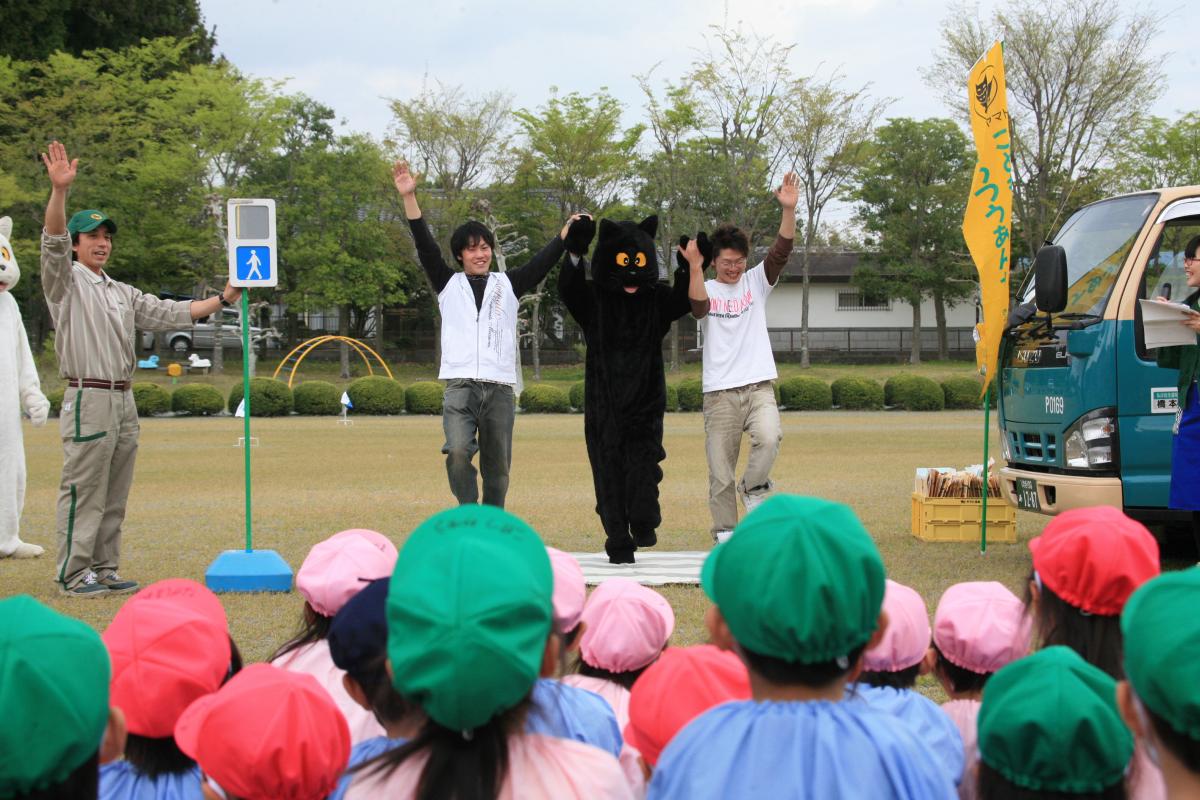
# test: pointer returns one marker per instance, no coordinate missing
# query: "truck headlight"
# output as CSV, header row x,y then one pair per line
x,y
1091,441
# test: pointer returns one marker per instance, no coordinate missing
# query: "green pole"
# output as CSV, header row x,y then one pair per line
x,y
987,425
246,406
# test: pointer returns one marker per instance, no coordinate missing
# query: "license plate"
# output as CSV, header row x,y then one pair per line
x,y
1027,494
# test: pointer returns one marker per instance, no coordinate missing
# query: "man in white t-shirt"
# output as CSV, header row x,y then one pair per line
x,y
739,367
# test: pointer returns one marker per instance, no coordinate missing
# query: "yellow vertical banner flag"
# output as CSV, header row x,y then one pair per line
x,y
987,224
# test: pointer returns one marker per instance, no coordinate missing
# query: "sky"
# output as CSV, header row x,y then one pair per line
x,y
355,55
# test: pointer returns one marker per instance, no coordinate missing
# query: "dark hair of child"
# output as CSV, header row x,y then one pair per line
x,y
82,784
994,786
1097,638
1180,745
386,702
961,679
790,673
462,765
900,679
469,234
730,237
313,628
626,679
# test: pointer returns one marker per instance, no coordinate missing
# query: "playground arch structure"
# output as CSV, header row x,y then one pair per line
x,y
291,362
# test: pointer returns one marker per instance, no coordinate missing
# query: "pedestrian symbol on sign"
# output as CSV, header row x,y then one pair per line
x,y
254,263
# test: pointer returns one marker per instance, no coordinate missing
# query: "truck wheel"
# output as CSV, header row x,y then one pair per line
x,y
180,344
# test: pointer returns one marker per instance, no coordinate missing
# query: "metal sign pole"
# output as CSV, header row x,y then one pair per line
x,y
246,408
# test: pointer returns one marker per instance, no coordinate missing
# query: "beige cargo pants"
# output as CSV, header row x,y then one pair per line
x,y
99,429
728,414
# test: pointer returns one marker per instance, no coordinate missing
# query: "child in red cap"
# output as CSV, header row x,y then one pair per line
x,y
1086,564
334,571
267,734
169,646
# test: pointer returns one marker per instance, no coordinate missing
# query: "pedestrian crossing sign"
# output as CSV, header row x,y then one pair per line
x,y
253,257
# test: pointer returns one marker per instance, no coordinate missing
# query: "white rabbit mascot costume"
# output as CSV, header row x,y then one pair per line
x,y
20,390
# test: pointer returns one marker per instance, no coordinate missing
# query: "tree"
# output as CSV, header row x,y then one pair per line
x,y
1079,76
574,147
33,29
826,129
911,195
1158,153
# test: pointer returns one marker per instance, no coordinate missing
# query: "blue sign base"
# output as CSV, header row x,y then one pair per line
x,y
249,571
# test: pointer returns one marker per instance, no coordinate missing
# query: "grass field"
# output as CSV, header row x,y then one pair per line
x,y
313,477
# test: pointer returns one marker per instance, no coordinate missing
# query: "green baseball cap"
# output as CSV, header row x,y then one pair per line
x,y
1049,723
469,610
54,675
88,220
800,580
1162,647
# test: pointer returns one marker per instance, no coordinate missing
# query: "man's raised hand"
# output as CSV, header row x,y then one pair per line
x,y
788,193
60,168
406,183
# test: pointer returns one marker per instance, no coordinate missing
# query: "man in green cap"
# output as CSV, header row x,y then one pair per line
x,y
95,318
1160,698
798,593
58,725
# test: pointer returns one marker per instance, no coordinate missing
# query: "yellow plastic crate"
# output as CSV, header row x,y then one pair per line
x,y
956,519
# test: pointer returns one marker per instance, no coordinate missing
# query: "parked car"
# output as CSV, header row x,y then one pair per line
x,y
203,335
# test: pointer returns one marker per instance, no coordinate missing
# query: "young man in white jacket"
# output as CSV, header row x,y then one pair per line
x,y
479,340
739,366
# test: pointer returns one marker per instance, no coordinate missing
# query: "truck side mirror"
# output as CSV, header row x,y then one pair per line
x,y
1050,278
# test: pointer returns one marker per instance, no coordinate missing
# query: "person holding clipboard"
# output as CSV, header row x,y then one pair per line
x,y
1185,450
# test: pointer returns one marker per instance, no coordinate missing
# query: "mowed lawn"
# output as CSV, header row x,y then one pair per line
x,y
313,477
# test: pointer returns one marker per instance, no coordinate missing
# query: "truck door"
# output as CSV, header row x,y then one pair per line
x,y
1146,392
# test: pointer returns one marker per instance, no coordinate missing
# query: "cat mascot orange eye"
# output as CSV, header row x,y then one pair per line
x,y
640,260
622,259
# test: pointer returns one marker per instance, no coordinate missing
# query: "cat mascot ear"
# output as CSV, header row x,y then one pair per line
x,y
649,225
580,235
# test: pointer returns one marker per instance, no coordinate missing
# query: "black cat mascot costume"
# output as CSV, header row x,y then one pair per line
x,y
625,313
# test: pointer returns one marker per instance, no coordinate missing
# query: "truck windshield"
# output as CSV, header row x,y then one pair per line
x,y
1097,239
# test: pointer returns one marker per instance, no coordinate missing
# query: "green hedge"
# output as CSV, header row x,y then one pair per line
x,y
315,398
543,398
672,398
268,398
56,399
804,393
691,394
858,394
376,394
917,393
198,399
962,392
150,398
424,397
895,386
575,395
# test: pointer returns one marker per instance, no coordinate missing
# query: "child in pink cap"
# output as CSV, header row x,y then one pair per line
x,y
169,646
889,679
570,593
979,627
334,571
625,628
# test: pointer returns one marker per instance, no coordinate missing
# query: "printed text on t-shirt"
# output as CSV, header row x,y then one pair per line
x,y
730,307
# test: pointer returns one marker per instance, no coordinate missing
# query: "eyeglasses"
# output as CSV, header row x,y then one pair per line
x,y
726,263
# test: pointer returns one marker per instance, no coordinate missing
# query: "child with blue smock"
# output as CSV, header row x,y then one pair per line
x,y
798,595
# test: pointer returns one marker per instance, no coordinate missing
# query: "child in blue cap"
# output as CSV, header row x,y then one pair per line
x,y
798,592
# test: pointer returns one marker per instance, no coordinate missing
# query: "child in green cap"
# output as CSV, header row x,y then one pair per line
x,y
1049,728
798,593
1160,698
58,724
469,613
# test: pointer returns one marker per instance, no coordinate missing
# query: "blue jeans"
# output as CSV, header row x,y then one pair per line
x,y
477,417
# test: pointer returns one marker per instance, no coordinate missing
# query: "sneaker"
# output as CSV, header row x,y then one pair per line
x,y
751,498
90,586
722,537
115,583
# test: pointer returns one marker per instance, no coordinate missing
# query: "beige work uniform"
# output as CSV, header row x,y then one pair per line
x,y
95,319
